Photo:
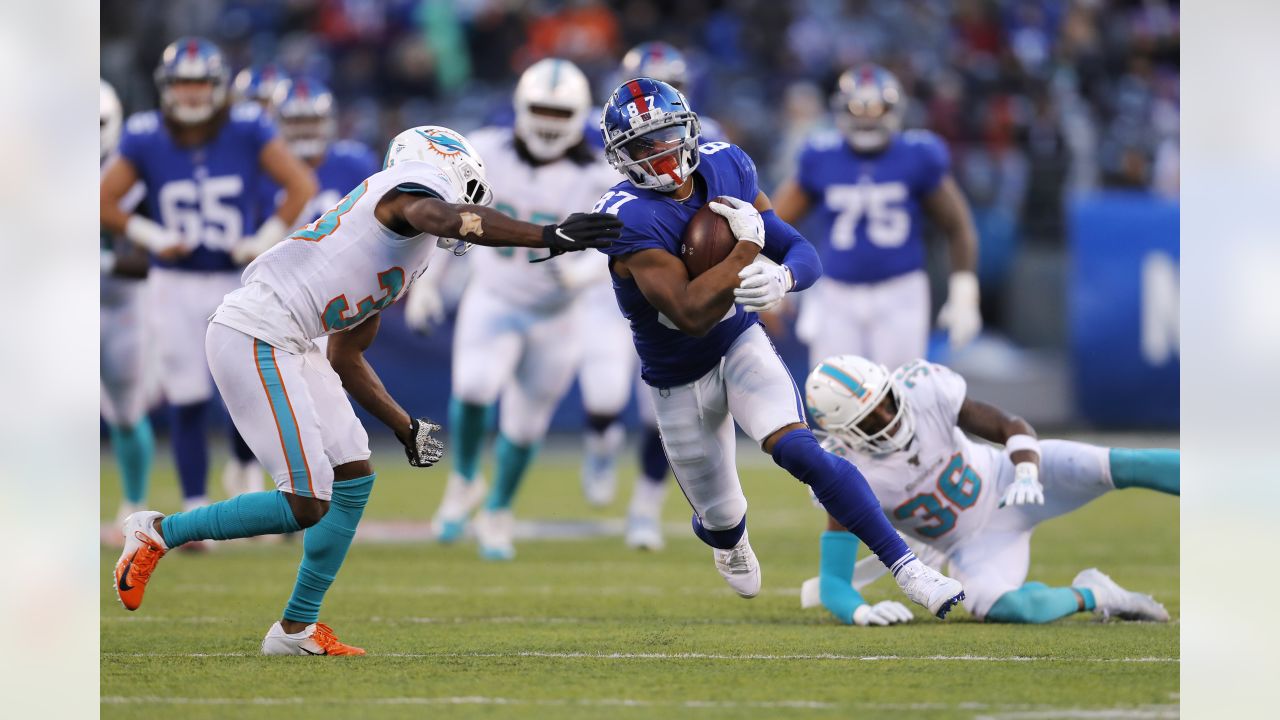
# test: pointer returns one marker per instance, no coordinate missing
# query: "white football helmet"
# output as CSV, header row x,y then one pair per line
x,y
843,391
449,151
559,89
111,119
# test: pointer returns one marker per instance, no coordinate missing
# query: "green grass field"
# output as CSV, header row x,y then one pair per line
x,y
587,628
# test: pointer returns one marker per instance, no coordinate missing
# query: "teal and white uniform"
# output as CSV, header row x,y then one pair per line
x,y
944,489
327,277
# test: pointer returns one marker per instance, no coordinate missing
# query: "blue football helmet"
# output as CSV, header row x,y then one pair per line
x,y
650,134
190,60
658,60
306,111
264,84
868,104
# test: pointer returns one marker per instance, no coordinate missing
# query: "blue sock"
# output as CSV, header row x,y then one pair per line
x,y
467,425
1037,603
134,447
838,553
719,539
844,492
324,547
513,461
247,515
190,449
653,459
240,448
1153,469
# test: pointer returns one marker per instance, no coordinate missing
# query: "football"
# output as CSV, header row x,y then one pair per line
x,y
706,241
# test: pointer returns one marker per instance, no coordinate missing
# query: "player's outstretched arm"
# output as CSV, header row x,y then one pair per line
x,y
1019,439
790,201
293,176
694,306
119,176
960,314
346,355
485,226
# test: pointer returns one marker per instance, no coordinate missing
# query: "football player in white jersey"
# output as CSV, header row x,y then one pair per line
x,y
332,278
121,336
520,322
968,502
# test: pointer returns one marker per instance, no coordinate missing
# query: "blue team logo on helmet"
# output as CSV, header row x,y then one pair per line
x,y
868,105
192,60
650,134
263,84
658,60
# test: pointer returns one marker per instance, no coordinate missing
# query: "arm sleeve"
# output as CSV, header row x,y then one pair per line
x,y
935,162
785,245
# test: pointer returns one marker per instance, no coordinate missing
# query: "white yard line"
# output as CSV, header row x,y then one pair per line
x,y
709,656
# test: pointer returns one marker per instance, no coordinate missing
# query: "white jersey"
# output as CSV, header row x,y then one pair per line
x,y
541,195
943,487
332,274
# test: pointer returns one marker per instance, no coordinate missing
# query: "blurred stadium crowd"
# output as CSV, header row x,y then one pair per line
x,y
1037,98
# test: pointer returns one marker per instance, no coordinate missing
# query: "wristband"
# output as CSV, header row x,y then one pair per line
x,y
1021,442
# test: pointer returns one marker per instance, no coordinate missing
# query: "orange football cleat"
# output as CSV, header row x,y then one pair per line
x,y
315,639
142,550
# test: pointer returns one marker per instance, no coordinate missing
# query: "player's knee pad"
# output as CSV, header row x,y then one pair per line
x,y
725,513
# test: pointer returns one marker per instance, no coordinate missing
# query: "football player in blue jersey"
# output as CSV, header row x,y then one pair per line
x,y
703,354
660,61
871,185
122,338
307,117
200,159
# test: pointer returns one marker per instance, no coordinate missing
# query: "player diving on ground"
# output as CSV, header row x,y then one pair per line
x,y
967,502
703,354
332,278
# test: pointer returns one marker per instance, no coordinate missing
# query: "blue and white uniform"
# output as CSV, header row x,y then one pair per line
x,y
206,195
874,297
122,336
701,385
346,164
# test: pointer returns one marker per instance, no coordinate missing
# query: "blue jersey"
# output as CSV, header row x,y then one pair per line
x,y
345,165
205,193
651,219
870,205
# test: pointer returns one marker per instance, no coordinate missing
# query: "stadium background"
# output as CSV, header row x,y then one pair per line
x,y
1061,116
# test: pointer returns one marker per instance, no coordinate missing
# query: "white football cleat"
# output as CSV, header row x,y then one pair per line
x,y
1113,600
461,498
495,530
644,516
811,593
739,567
600,465
315,639
929,588
143,548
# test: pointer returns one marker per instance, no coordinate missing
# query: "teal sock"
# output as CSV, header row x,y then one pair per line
x,y
513,462
247,515
1153,469
467,425
134,447
1038,603
324,547
838,551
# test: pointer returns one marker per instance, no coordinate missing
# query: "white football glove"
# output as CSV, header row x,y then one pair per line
x,y
960,315
887,612
152,235
424,308
1026,488
762,285
744,219
272,231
